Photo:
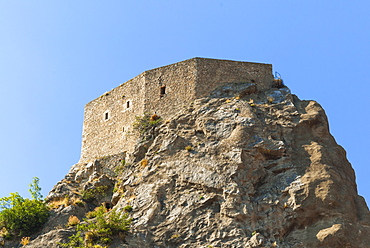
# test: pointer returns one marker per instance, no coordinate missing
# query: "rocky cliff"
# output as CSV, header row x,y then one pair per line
x,y
240,168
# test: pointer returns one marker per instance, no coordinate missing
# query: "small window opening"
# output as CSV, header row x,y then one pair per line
x,y
128,104
106,116
123,129
163,90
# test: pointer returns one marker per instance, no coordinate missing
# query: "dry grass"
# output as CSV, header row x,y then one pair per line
x,y
56,203
189,148
3,232
131,198
25,241
144,162
73,220
66,201
90,214
154,117
175,236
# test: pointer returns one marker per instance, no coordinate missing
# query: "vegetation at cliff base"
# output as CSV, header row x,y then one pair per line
x,y
22,216
99,228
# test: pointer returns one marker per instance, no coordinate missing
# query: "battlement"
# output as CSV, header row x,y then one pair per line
x,y
108,120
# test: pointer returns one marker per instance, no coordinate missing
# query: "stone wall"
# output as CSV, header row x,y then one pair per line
x,y
165,91
107,127
213,73
178,83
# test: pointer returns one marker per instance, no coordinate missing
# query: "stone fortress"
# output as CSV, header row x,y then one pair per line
x,y
108,120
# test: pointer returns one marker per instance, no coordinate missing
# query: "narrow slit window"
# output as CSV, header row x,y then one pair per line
x,y
106,116
128,104
163,90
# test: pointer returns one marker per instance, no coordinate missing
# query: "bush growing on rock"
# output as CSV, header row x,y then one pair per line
x,y
93,192
99,230
127,208
22,216
146,122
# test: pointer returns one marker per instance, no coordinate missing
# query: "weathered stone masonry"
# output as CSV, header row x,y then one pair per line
x,y
108,120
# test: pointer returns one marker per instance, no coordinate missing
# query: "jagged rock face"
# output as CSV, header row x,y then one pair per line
x,y
232,172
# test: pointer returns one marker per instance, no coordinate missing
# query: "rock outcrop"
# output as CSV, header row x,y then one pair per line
x,y
241,168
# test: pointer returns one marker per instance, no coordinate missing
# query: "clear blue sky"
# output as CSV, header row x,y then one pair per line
x,y
55,56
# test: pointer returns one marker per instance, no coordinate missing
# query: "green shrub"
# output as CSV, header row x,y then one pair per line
x,y
117,187
146,123
127,208
99,230
120,168
76,241
92,193
22,216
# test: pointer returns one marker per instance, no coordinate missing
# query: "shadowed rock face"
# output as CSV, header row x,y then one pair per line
x,y
261,170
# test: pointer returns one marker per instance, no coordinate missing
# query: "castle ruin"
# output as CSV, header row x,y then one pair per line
x,y
107,127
